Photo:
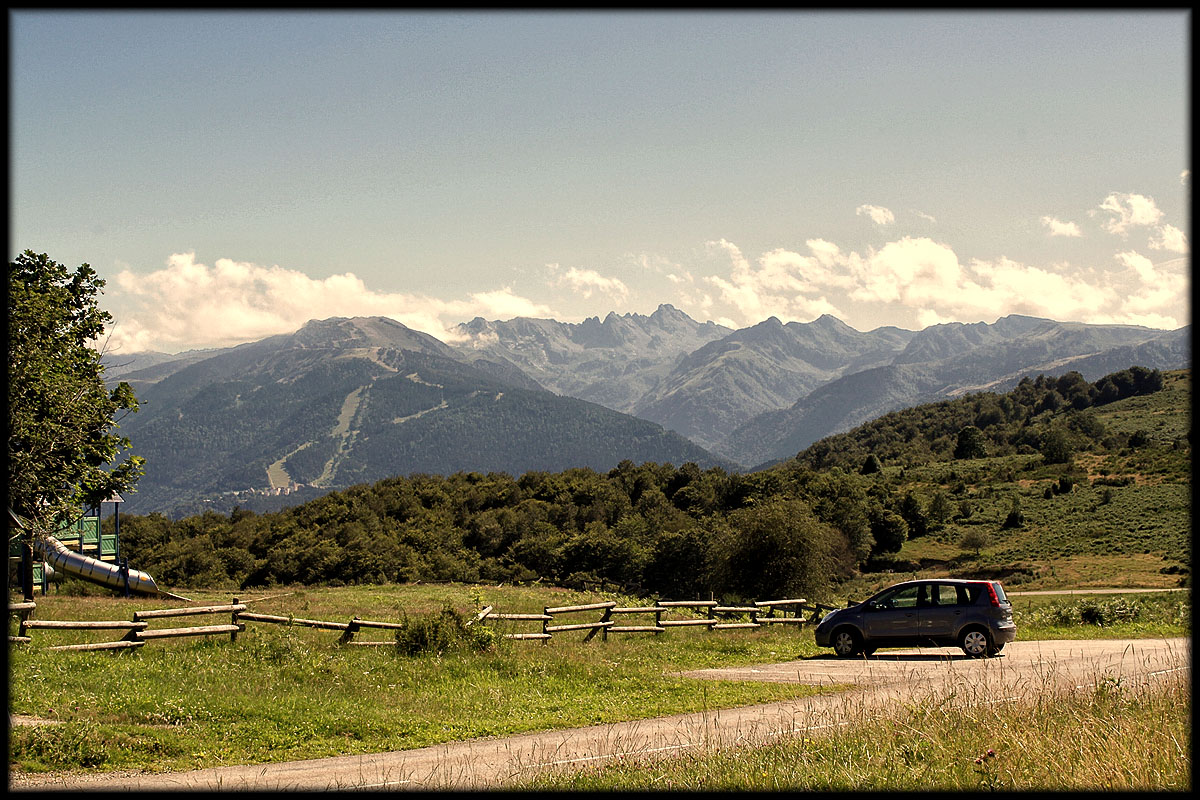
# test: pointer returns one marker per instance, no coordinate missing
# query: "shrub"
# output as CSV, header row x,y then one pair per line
x,y
445,632
1015,518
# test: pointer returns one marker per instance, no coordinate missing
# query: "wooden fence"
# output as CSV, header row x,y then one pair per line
x,y
716,617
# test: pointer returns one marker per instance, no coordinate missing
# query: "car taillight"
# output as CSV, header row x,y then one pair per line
x,y
992,598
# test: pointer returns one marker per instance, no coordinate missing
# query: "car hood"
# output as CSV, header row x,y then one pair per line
x,y
831,615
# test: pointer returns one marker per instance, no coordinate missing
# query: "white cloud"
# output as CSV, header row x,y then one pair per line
x,y
189,305
925,216
878,214
1059,228
588,281
1168,237
1185,176
1127,211
915,282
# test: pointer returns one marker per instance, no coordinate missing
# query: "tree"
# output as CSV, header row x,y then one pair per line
x,y
1015,518
975,540
62,442
888,529
971,443
1055,447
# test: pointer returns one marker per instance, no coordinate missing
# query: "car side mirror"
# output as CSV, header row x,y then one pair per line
x,y
872,605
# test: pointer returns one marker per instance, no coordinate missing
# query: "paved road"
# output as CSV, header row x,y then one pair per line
x,y
887,677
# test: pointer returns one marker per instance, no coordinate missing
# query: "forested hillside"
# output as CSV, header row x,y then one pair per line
x,y
1054,470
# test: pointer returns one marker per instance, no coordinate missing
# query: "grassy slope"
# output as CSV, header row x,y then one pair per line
x,y
1096,535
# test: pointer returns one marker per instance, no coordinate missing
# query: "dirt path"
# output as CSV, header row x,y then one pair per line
x,y
888,677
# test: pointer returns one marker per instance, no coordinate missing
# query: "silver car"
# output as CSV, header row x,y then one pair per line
x,y
936,612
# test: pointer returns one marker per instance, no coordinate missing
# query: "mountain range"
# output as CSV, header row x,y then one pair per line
x,y
345,401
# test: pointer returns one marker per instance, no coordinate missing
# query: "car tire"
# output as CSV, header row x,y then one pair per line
x,y
846,642
976,643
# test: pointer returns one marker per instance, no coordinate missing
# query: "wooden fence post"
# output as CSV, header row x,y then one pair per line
x,y
351,629
233,621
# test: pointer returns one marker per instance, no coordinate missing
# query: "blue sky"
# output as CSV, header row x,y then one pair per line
x,y
232,175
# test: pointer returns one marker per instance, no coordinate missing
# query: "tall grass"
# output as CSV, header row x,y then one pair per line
x,y
1107,736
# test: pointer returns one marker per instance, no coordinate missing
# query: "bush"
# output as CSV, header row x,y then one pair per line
x,y
445,632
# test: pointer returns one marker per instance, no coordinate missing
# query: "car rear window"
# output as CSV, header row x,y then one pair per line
x,y
999,592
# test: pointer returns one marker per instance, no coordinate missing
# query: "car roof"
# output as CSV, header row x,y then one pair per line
x,y
955,581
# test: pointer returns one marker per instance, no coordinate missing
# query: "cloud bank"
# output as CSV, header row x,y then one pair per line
x,y
911,281
189,305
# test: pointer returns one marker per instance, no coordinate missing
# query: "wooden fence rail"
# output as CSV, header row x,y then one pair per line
x,y
717,617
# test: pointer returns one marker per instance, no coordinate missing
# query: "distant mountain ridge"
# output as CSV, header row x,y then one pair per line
x,y
613,362
957,359
348,400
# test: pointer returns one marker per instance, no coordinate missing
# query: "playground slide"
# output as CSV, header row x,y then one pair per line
x,y
65,560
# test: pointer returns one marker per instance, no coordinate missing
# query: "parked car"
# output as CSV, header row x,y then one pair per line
x,y
974,615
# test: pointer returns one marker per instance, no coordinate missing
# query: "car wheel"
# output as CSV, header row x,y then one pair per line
x,y
846,642
975,643
995,649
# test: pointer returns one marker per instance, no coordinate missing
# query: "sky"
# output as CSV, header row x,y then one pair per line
x,y
231,175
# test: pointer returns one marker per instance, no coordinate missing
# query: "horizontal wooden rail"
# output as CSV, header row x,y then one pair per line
x,y
19,639
187,612
582,626
687,603
84,625
308,623
731,625
644,610
526,636
785,620
574,609
15,608
120,644
366,623
682,622
770,603
195,630
637,629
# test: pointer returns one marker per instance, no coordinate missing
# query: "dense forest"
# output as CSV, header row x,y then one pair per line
x,y
650,529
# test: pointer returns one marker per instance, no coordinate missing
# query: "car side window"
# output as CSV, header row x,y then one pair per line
x,y
967,595
905,598
945,595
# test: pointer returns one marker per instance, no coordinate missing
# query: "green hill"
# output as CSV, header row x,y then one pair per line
x,y
1062,484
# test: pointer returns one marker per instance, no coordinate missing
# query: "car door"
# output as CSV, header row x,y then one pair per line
x,y
893,617
940,612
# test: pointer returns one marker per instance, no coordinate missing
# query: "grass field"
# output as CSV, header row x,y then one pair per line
x,y
283,693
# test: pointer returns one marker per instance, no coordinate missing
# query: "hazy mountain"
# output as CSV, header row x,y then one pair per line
x,y
346,401
149,366
948,360
761,368
613,362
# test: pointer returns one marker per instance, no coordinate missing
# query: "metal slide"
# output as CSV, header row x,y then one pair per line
x,y
69,562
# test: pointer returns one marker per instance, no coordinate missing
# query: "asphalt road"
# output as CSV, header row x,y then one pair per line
x,y
888,677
